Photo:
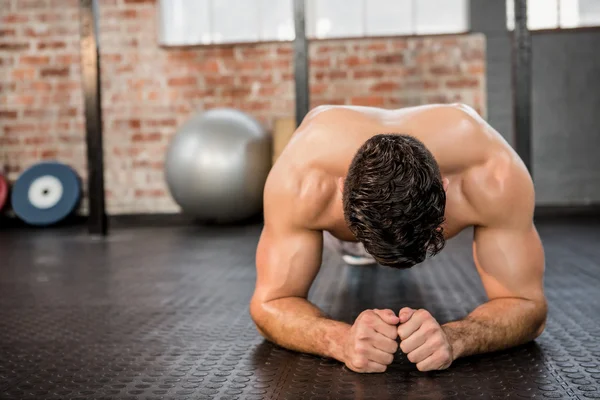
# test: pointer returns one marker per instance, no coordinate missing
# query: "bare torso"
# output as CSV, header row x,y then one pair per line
x,y
475,159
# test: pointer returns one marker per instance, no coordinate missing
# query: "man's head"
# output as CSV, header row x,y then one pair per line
x,y
394,200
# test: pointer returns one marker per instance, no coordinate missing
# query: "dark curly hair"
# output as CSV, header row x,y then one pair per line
x,y
394,200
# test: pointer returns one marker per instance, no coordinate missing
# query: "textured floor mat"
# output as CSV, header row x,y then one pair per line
x,y
163,314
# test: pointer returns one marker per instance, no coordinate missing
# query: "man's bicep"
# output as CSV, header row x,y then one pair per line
x,y
287,262
510,261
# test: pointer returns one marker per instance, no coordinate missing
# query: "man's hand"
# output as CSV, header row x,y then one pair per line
x,y
371,344
423,340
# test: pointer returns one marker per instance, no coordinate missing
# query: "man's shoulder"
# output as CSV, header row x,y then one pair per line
x,y
500,191
298,196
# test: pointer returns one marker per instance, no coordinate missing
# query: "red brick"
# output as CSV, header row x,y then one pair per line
x,y
49,154
7,32
167,122
37,140
373,101
371,73
268,91
254,52
287,76
235,91
211,66
182,81
19,128
462,83
258,105
139,1
68,86
476,69
177,55
112,58
318,88
219,80
381,46
6,61
149,193
443,70
14,18
32,4
127,123
52,45
69,139
67,59
332,75
23,73
58,72
13,46
34,60
422,84
222,52
68,3
285,50
385,87
37,113
51,17
332,48
146,137
320,63
396,59
400,44
68,112
125,68
9,141
8,114
153,96
148,165
353,61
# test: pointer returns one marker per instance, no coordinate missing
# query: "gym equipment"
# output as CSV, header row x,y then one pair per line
x,y
217,164
3,191
283,130
46,193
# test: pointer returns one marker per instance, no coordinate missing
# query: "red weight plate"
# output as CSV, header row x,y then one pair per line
x,y
3,191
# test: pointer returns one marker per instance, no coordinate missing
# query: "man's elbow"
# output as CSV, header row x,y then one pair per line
x,y
257,313
542,315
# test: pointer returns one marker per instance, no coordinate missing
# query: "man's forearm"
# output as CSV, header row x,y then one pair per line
x,y
496,325
296,324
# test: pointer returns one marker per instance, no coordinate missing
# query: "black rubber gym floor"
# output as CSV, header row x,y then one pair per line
x,y
162,313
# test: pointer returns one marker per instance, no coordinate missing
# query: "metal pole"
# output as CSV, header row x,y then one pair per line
x,y
301,74
90,73
522,84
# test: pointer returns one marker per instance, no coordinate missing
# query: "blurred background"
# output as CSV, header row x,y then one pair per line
x,y
164,61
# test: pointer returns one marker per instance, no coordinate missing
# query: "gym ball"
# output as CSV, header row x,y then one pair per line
x,y
217,164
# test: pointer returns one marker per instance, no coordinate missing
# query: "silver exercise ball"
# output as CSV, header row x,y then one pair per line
x,y
217,165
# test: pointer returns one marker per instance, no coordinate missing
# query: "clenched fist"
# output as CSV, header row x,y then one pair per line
x,y
371,343
423,340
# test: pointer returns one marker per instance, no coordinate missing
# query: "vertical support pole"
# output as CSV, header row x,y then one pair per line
x,y
90,73
301,74
522,84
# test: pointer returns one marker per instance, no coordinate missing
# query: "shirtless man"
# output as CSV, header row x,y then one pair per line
x,y
400,182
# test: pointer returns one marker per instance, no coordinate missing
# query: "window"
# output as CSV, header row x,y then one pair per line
x,y
554,14
193,22
358,18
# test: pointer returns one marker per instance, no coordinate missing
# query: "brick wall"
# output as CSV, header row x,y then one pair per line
x,y
148,90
